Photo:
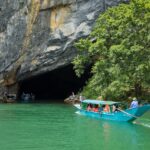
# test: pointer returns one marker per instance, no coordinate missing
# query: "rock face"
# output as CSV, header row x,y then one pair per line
x,y
38,36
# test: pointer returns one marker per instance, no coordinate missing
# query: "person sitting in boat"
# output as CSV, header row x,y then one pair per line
x,y
134,103
106,108
100,108
115,108
95,108
89,107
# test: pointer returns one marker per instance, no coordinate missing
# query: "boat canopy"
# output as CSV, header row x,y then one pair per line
x,y
99,102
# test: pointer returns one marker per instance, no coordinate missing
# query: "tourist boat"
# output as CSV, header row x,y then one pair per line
x,y
129,114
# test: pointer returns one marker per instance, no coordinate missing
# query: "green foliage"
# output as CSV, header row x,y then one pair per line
x,y
119,54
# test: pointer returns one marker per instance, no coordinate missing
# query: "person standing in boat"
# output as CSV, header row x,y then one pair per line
x,y
73,95
80,98
134,103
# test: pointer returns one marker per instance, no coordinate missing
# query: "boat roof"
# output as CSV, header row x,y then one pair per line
x,y
90,101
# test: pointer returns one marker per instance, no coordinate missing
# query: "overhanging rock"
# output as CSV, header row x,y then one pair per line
x,y
38,36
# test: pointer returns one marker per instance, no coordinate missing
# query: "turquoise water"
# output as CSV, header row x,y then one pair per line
x,y
58,127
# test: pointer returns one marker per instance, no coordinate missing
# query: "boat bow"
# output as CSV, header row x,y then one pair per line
x,y
78,106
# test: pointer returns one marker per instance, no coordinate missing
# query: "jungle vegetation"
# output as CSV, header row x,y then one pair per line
x,y
118,53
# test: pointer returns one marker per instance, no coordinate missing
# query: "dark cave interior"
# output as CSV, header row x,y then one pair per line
x,y
55,85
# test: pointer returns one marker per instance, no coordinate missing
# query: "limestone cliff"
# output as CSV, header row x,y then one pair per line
x,y
38,36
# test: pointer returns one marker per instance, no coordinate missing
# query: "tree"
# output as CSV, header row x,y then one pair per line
x,y
118,51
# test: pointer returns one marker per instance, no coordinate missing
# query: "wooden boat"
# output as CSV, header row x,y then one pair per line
x,y
118,115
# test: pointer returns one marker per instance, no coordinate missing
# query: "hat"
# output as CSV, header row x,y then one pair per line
x,y
134,99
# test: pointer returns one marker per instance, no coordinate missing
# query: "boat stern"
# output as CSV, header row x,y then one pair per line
x,y
139,111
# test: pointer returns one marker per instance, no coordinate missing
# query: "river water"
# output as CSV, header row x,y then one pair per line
x,y
57,127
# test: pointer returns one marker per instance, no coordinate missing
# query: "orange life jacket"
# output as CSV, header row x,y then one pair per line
x,y
107,108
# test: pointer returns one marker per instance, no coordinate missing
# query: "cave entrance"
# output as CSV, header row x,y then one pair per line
x,y
55,85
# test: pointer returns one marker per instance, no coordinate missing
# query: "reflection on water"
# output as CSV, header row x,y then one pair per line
x,y
144,121
58,127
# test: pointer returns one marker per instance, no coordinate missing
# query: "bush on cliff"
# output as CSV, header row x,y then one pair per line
x,y
118,49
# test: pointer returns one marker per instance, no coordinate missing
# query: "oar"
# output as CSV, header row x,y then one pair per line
x,y
127,113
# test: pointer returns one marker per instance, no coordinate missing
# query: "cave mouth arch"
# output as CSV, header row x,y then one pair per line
x,y
55,85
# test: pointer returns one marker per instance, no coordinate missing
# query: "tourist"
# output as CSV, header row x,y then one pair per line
x,y
80,98
73,95
100,109
106,108
115,108
96,109
89,107
134,103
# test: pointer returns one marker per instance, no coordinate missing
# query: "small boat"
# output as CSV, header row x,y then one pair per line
x,y
9,98
119,114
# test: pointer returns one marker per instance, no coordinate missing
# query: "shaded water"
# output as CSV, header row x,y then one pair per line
x,y
58,127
